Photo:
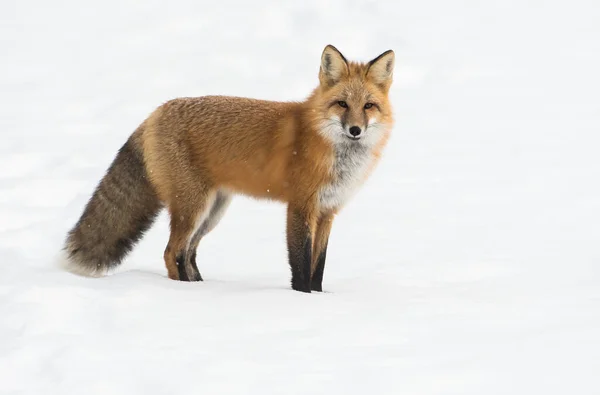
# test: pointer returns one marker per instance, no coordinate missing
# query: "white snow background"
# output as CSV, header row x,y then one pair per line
x,y
468,263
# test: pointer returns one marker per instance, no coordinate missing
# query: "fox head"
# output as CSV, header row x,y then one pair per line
x,y
352,101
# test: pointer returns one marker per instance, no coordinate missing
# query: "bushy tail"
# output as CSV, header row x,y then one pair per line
x,y
122,208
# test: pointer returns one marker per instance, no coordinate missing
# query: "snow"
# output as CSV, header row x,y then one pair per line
x,y
468,264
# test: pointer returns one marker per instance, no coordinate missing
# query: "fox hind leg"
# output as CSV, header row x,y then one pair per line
x,y
218,208
188,213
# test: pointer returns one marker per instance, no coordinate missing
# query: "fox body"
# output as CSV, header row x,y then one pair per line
x,y
191,155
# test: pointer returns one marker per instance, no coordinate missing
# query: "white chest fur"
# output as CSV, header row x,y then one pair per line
x,y
350,166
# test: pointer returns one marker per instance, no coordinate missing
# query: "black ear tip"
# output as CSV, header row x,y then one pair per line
x,y
330,47
386,53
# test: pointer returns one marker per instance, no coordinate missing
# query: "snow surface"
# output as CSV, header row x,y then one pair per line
x,y
469,263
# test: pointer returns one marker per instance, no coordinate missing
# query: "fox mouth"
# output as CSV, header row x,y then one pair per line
x,y
353,138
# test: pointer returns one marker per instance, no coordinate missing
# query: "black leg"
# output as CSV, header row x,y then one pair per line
x,y
181,267
324,225
300,263
317,278
299,249
188,271
198,276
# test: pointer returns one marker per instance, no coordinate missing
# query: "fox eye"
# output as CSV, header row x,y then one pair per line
x,y
368,105
343,104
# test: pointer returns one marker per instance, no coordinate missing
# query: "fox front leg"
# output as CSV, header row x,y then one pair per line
x,y
320,251
300,243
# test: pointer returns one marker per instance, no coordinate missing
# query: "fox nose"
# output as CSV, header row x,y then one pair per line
x,y
354,131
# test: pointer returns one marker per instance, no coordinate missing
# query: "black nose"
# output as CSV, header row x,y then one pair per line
x,y
355,131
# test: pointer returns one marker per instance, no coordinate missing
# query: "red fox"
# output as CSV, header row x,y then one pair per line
x,y
191,155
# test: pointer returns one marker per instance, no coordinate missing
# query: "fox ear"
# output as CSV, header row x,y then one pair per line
x,y
381,69
334,66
